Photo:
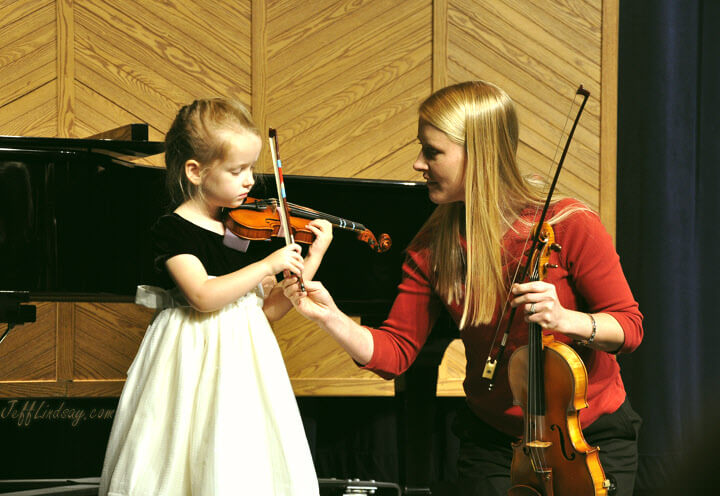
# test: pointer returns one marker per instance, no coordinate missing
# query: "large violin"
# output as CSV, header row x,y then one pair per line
x,y
549,381
260,219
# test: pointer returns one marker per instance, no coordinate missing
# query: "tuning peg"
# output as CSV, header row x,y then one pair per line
x,y
551,266
555,247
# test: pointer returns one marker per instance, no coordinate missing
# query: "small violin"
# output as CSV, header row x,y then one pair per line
x,y
260,219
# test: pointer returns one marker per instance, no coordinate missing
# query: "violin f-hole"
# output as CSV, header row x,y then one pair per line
x,y
559,430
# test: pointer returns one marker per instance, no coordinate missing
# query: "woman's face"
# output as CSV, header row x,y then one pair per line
x,y
442,163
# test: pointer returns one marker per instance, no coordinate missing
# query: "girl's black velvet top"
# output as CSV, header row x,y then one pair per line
x,y
173,235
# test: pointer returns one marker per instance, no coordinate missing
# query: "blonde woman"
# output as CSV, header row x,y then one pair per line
x,y
464,259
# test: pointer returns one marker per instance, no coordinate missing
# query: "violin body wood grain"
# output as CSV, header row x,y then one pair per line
x,y
567,465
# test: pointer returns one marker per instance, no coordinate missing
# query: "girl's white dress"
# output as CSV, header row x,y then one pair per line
x,y
208,410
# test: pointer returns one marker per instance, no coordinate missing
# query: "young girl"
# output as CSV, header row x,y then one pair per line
x,y
464,259
207,407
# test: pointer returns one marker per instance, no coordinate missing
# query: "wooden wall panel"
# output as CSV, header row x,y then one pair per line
x,y
451,371
344,81
318,366
539,52
147,59
27,68
340,80
28,351
107,336
34,114
27,48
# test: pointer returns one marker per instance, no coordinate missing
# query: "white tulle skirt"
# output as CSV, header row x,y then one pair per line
x,y
208,410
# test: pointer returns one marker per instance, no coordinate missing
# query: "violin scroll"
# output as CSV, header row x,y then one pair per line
x,y
380,246
540,262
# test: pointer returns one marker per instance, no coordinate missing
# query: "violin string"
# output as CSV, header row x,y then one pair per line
x,y
539,412
312,214
337,221
530,413
315,214
299,209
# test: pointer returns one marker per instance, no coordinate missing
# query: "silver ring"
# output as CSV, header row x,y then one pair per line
x,y
532,308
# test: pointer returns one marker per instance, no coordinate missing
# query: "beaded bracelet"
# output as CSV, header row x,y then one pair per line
x,y
589,340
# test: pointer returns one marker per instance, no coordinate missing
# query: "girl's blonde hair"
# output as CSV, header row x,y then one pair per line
x,y
197,134
480,117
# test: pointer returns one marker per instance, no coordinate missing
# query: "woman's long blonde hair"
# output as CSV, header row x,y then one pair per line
x,y
480,117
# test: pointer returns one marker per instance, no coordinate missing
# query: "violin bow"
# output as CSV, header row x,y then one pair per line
x,y
283,211
489,371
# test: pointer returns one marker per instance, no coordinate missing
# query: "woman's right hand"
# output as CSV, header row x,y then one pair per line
x,y
315,303
286,258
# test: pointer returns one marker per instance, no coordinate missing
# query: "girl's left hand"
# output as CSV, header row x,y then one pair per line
x,y
539,302
323,232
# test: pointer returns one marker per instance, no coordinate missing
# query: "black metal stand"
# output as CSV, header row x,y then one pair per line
x,y
13,312
357,487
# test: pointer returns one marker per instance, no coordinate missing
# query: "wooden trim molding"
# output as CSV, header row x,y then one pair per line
x,y
608,114
439,44
65,342
65,68
258,62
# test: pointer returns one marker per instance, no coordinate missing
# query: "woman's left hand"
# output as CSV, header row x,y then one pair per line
x,y
539,302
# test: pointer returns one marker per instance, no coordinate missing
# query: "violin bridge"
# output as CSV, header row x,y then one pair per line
x,y
538,444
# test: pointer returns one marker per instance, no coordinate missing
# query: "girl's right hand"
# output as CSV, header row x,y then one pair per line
x,y
286,258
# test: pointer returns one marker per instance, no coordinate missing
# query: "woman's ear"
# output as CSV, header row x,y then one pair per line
x,y
192,171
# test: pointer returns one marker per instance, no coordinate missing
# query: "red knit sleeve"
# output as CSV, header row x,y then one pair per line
x,y
594,266
399,339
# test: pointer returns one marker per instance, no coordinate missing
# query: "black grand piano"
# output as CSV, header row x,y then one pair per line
x,y
74,221
76,215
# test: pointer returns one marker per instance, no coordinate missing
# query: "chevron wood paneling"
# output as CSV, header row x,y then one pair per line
x,y
144,60
28,351
318,366
27,48
339,79
27,68
107,336
344,81
451,371
539,52
33,114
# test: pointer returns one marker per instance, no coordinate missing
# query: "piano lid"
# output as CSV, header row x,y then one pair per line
x,y
120,151
68,207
